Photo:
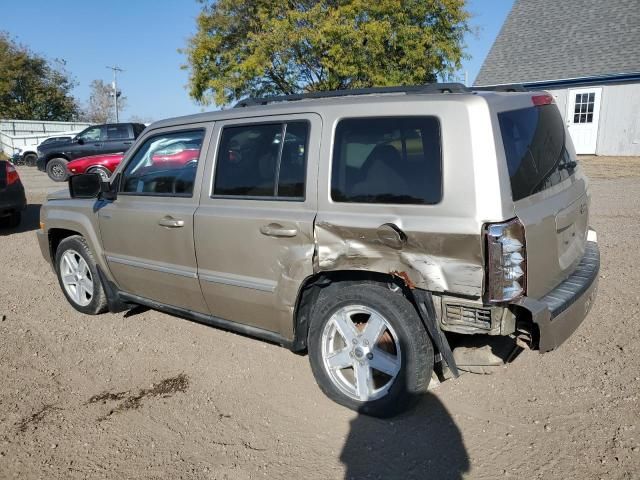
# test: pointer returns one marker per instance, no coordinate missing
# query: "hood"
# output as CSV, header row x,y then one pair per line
x,y
62,194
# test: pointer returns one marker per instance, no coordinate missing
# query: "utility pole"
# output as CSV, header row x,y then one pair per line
x,y
116,93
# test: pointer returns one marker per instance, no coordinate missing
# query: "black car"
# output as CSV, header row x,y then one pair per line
x,y
95,140
12,198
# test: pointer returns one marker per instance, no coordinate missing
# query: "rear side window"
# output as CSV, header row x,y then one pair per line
x,y
387,160
265,160
534,146
117,132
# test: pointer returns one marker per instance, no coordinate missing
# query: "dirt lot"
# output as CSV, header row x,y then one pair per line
x,y
147,395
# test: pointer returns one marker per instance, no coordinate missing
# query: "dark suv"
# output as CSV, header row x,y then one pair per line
x,y
95,140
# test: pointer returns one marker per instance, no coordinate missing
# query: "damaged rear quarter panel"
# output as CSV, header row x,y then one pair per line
x,y
439,262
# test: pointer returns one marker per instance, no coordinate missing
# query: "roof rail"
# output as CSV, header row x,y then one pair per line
x,y
516,87
427,88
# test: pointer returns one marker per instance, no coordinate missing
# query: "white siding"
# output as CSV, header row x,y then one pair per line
x,y
619,128
619,132
18,133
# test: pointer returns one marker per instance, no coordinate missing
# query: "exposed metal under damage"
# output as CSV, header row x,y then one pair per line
x,y
428,261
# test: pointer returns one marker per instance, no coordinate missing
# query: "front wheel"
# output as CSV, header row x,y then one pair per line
x,y
78,276
368,348
57,169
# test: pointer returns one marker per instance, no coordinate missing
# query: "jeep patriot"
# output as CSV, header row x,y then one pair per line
x,y
394,234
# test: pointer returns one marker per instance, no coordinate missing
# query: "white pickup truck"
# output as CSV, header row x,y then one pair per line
x,y
28,154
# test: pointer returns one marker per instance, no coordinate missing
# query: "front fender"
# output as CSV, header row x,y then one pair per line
x,y
79,216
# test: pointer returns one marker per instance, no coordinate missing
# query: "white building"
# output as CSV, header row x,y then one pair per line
x,y
586,53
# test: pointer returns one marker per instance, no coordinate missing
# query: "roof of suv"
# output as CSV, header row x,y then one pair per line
x,y
292,103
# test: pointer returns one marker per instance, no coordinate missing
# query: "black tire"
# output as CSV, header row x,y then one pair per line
x,y
57,169
30,159
103,172
416,357
78,244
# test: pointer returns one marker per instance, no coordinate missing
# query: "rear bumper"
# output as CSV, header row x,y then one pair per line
x,y
12,199
561,311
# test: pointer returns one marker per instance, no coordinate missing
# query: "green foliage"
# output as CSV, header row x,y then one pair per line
x,y
263,47
31,88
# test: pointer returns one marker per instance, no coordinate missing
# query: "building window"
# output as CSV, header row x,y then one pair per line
x,y
583,110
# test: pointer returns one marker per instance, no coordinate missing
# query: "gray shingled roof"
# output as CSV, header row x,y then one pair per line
x,y
545,40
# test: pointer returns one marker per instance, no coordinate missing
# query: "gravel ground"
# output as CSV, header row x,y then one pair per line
x,y
147,395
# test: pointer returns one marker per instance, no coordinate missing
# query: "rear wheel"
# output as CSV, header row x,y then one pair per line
x,y
57,169
368,348
78,276
103,172
30,159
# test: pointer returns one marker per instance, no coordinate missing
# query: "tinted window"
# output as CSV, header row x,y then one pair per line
x,y
534,146
117,132
254,161
387,160
164,165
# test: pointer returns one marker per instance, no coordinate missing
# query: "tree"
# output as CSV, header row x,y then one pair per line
x,y
100,108
262,47
31,87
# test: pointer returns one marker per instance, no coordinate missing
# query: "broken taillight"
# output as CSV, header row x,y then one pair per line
x,y
506,261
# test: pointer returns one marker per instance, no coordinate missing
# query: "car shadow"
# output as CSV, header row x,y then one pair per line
x,y
30,221
423,443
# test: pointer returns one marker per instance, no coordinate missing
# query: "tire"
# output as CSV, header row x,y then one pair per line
x,y
57,169
30,159
103,172
402,346
73,256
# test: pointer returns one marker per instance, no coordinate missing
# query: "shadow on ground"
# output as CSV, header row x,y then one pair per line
x,y
30,221
423,443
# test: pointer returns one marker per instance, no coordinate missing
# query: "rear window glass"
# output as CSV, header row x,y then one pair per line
x,y
387,160
534,145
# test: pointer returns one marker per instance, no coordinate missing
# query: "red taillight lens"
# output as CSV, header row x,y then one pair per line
x,y
506,261
542,99
12,174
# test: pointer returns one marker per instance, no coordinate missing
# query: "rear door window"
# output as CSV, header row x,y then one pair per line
x,y
255,161
118,132
395,160
534,146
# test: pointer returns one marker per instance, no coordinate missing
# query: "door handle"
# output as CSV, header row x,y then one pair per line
x,y
277,230
127,143
170,222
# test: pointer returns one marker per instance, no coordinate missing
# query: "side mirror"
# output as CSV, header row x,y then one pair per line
x,y
110,189
80,141
86,185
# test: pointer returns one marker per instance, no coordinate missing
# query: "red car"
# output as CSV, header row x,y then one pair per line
x,y
104,165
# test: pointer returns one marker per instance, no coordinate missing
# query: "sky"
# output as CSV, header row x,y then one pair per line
x,y
143,37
